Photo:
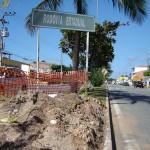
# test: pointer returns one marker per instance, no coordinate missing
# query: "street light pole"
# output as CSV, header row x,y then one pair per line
x,y
97,10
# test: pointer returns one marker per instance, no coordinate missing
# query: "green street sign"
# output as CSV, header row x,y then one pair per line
x,y
53,19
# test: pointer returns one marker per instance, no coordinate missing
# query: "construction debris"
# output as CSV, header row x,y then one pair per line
x,y
62,122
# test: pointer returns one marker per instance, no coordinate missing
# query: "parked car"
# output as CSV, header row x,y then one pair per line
x,y
138,84
12,79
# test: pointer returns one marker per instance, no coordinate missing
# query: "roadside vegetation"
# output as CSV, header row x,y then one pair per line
x,y
96,87
100,93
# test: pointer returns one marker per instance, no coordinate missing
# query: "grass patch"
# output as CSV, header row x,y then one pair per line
x,y
98,92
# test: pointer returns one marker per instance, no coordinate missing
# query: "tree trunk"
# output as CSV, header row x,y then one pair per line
x,y
76,47
77,39
76,50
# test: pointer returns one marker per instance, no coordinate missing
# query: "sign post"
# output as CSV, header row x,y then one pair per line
x,y
87,51
38,50
61,20
1,48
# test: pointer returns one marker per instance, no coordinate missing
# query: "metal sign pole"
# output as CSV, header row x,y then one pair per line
x,y
61,69
87,51
1,49
38,50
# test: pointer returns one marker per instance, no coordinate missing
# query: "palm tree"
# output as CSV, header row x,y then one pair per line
x,y
54,5
135,9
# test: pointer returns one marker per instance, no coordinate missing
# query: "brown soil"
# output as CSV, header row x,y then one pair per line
x,y
79,122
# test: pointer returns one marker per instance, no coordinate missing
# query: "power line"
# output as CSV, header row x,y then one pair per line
x,y
18,56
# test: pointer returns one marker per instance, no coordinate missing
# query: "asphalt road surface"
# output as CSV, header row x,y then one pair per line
x,y
130,108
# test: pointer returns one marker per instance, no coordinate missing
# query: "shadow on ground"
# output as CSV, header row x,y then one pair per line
x,y
132,98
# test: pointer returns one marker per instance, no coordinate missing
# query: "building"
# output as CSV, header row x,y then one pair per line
x,y
44,67
140,68
7,62
138,73
12,63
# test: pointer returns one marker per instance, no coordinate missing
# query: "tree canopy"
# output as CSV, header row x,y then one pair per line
x,y
101,51
135,9
147,73
57,68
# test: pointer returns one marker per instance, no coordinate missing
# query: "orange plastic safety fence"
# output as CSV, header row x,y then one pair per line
x,y
11,86
54,82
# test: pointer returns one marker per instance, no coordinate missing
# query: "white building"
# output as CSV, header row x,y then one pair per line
x,y
140,68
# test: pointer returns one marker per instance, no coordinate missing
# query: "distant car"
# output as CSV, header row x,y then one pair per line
x,y
145,84
120,83
12,79
125,84
138,84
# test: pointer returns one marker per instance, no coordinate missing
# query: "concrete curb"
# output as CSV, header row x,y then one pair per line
x,y
108,140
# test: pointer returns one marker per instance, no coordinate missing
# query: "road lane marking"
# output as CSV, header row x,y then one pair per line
x,y
130,144
117,109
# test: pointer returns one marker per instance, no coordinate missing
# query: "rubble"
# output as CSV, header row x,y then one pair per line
x,y
62,122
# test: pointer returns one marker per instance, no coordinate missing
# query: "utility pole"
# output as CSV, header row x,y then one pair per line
x,y
61,70
4,32
148,66
97,9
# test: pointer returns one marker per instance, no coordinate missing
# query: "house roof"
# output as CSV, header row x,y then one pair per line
x,y
41,65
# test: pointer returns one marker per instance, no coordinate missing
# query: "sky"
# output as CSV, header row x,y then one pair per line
x,y
131,49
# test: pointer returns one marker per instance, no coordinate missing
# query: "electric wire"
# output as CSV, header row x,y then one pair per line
x,y
19,56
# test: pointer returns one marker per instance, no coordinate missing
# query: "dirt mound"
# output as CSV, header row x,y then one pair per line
x,y
40,122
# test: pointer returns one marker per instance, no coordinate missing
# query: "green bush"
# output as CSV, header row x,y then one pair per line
x,y
147,73
96,78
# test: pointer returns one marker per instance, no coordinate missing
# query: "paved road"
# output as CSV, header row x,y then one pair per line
x,y
130,109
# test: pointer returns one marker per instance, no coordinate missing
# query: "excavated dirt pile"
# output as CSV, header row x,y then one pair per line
x,y
41,122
